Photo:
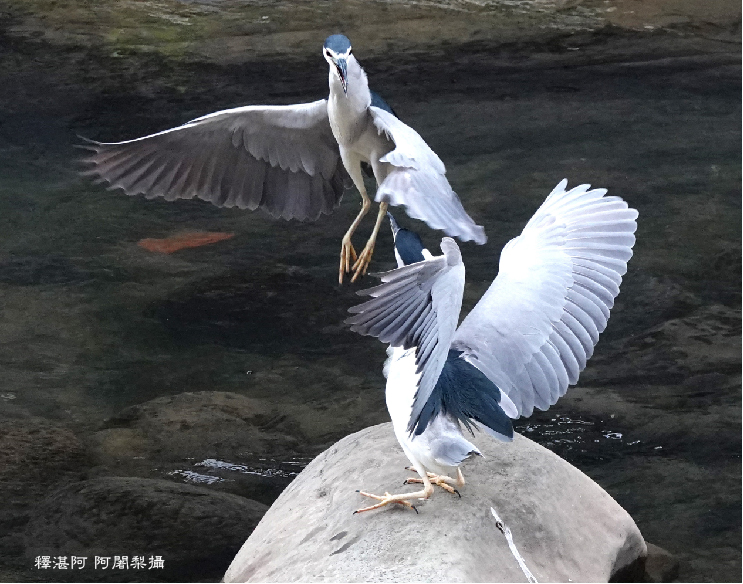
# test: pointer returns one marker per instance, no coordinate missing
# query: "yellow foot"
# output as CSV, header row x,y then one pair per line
x,y
387,499
348,255
442,481
362,262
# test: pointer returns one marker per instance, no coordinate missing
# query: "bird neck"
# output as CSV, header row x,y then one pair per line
x,y
347,111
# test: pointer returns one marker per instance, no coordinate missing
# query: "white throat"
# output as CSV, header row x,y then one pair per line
x,y
347,111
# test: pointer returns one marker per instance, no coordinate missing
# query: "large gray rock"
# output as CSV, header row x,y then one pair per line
x,y
565,526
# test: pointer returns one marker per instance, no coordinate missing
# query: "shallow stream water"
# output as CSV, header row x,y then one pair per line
x,y
94,326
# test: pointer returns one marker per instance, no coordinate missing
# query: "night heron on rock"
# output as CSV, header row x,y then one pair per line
x,y
295,161
525,341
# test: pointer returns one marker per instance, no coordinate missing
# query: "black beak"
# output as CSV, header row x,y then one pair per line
x,y
342,68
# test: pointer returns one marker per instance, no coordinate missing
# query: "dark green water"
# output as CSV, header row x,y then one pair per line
x,y
91,323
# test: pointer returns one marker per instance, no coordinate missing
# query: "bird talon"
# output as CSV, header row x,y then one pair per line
x,y
361,265
348,255
384,500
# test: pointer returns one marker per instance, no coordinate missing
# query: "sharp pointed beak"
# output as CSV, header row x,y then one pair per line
x,y
393,224
342,67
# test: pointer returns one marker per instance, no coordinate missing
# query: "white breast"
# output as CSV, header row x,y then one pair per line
x,y
441,438
402,381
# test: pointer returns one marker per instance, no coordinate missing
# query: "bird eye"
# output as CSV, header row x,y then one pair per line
x,y
327,53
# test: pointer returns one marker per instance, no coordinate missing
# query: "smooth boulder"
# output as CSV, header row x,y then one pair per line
x,y
565,526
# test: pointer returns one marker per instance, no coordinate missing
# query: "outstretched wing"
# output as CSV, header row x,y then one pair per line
x,y
536,326
283,159
417,306
418,182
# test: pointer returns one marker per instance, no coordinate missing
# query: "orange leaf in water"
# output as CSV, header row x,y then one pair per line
x,y
182,241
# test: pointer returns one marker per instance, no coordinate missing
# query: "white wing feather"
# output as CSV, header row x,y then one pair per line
x,y
418,182
536,326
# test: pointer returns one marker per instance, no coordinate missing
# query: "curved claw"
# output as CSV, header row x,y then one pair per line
x,y
361,265
348,255
435,480
387,498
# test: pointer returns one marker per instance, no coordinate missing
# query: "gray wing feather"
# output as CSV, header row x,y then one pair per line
x,y
282,159
445,440
537,325
417,181
417,306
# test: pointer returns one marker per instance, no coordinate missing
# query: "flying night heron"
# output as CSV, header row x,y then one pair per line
x,y
296,161
524,343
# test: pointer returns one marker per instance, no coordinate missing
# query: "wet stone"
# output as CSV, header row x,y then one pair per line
x,y
34,448
35,457
661,565
197,425
196,531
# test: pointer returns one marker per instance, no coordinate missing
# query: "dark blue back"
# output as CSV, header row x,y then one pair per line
x,y
409,246
465,393
377,101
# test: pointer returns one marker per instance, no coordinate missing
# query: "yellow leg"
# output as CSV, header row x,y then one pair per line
x,y
348,253
402,499
362,263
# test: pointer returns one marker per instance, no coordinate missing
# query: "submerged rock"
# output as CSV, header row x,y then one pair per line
x,y
661,565
564,525
36,455
194,530
204,424
35,450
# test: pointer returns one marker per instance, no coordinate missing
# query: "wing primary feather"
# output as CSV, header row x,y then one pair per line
x,y
401,315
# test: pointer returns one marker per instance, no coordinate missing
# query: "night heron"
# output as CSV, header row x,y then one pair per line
x,y
525,341
295,161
